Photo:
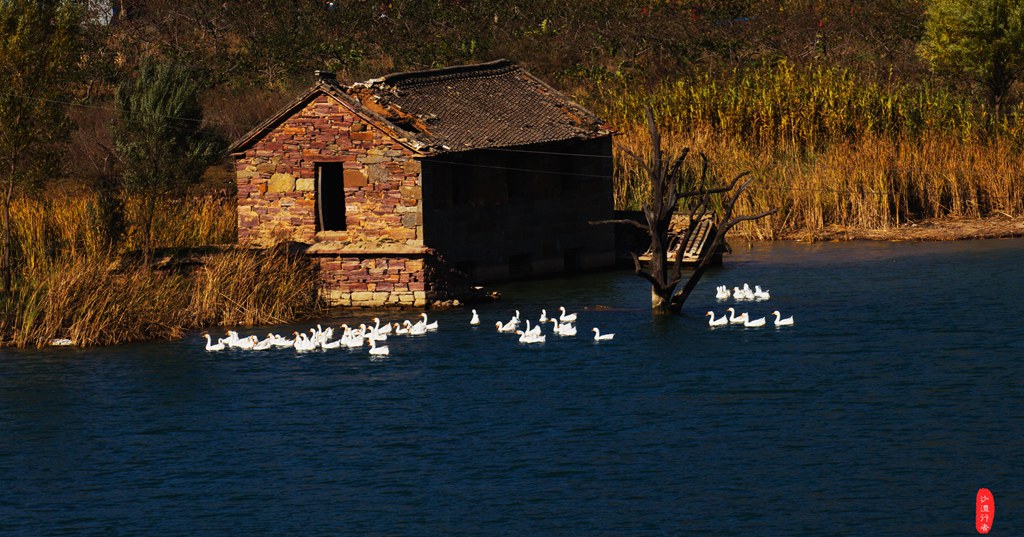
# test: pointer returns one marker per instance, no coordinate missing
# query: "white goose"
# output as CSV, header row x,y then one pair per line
x,y
429,326
507,327
566,329
400,331
475,319
779,321
761,295
372,333
386,329
281,343
247,343
755,323
531,337
231,339
265,344
417,329
303,343
536,330
543,316
211,346
352,338
598,336
722,292
378,351
570,318
733,319
721,321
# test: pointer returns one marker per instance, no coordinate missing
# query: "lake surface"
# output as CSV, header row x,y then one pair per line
x,y
894,398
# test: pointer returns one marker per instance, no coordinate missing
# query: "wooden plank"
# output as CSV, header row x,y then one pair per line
x,y
694,247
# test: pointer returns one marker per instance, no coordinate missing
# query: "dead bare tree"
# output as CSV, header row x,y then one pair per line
x,y
666,196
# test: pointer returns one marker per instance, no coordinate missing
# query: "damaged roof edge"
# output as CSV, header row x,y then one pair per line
x,y
337,93
379,102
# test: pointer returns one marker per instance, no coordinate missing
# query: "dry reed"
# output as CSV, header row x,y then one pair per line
x,y
71,285
828,149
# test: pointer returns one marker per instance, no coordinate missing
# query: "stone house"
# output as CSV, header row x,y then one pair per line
x,y
401,186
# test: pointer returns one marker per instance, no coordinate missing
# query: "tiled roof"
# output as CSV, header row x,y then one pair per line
x,y
496,104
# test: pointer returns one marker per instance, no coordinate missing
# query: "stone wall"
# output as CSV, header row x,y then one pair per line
x,y
277,180
370,281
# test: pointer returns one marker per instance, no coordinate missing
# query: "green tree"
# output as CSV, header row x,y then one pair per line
x,y
160,139
983,39
39,48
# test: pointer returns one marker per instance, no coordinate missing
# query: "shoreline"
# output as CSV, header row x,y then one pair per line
x,y
932,229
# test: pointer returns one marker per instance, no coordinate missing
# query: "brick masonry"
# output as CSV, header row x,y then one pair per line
x,y
369,281
383,203
277,174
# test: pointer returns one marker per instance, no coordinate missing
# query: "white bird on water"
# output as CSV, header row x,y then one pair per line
x,y
303,343
282,343
760,294
246,344
733,319
779,321
755,323
721,321
475,319
428,325
417,329
566,318
566,329
211,346
543,316
378,351
722,292
531,337
598,336
507,327
265,344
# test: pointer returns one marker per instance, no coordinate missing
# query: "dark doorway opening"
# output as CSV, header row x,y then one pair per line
x,y
330,196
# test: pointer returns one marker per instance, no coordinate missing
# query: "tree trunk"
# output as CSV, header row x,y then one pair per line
x,y
660,301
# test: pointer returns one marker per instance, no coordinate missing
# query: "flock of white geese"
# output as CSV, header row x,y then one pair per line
x,y
741,294
372,335
321,338
563,327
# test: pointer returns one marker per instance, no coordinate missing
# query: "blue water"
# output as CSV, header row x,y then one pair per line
x,y
894,398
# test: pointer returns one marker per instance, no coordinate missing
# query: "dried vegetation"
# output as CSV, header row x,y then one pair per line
x,y
72,286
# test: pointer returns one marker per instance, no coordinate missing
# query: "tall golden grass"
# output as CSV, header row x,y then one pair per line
x,y
829,149
71,224
72,285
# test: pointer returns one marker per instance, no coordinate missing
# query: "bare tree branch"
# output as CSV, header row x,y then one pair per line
x,y
638,158
745,218
626,221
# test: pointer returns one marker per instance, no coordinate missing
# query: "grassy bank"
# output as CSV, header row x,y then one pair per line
x,y
829,149
72,284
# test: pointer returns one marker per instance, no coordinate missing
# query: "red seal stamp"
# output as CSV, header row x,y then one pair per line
x,y
984,511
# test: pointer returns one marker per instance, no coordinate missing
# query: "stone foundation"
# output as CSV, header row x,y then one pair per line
x,y
391,279
373,281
